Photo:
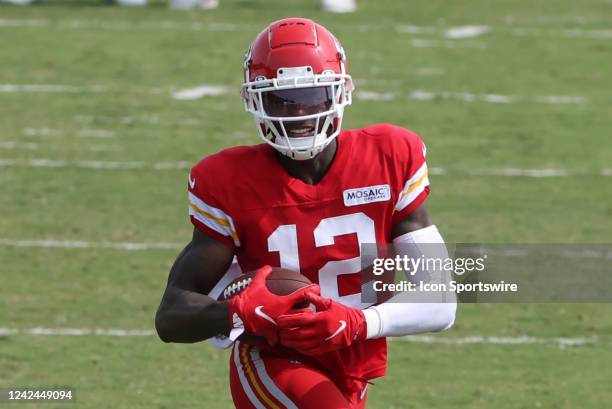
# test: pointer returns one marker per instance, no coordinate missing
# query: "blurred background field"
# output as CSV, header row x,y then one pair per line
x,y
103,109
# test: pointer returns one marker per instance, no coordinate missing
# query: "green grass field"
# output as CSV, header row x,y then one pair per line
x,y
81,81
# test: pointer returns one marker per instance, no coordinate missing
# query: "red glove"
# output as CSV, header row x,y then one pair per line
x,y
332,327
256,309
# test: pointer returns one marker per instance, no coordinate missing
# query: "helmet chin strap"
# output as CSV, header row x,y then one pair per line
x,y
305,147
303,143
302,147
304,154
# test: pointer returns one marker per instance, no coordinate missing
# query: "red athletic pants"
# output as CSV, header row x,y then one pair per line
x,y
266,381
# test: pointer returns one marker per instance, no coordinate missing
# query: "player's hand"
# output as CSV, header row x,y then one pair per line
x,y
332,326
256,308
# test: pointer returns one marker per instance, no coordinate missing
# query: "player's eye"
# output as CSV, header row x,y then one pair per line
x,y
297,102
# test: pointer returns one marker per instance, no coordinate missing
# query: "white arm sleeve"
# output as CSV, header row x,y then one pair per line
x,y
401,314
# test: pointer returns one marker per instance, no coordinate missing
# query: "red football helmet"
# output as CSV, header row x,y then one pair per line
x,y
296,86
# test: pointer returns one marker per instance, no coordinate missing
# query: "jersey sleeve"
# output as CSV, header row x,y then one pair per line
x,y
412,166
206,210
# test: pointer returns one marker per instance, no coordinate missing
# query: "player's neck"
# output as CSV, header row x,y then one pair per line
x,y
310,171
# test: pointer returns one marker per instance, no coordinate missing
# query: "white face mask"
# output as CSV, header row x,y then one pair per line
x,y
298,113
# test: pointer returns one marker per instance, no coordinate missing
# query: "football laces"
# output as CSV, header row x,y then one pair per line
x,y
236,288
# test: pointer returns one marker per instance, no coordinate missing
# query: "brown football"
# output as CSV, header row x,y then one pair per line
x,y
280,282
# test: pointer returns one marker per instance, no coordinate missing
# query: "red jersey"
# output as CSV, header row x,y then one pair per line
x,y
244,198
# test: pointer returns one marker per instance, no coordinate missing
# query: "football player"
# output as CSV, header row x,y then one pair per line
x,y
306,200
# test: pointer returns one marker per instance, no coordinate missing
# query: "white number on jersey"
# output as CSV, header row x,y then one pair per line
x,y
284,241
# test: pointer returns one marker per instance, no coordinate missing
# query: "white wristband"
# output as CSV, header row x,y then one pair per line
x,y
373,322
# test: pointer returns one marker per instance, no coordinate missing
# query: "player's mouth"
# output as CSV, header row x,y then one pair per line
x,y
301,132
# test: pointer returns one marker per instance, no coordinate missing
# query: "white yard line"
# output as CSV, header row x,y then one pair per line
x,y
50,88
113,165
52,163
123,25
534,173
142,246
471,31
375,96
18,145
96,133
524,340
103,148
421,43
455,33
428,71
577,32
78,244
561,100
186,94
561,20
218,90
424,95
35,132
425,339
14,23
412,29
77,332
200,92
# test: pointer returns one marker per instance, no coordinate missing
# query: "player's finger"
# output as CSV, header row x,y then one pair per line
x,y
259,278
262,273
302,319
300,295
297,334
305,310
319,302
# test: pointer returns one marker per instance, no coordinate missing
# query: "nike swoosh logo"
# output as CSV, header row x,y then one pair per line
x,y
339,330
259,312
191,182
